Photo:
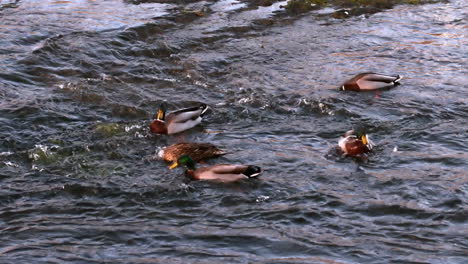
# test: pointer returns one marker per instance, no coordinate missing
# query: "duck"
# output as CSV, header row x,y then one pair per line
x,y
199,151
355,143
220,173
370,81
177,121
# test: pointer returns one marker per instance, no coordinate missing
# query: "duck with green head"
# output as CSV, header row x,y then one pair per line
x,y
220,172
355,143
177,121
370,81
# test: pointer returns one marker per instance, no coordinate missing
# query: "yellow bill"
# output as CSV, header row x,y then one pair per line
x,y
160,114
364,139
175,164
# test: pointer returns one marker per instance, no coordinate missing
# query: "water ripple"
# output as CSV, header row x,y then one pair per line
x,y
81,80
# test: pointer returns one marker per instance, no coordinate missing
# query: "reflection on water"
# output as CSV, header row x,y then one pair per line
x,y
79,81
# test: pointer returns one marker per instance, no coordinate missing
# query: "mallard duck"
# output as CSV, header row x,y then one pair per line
x,y
221,172
370,81
199,151
355,143
177,121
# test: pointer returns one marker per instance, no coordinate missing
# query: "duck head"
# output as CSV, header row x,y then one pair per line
x,y
184,160
361,135
161,114
158,125
355,143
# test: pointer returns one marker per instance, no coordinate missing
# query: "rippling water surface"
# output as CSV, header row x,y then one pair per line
x,y
79,182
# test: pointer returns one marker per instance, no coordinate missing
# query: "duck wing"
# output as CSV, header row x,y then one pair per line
x,y
197,151
229,169
186,114
222,173
374,81
244,170
184,119
376,77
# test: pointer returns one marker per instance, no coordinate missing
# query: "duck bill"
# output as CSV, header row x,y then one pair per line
x,y
175,164
364,139
160,115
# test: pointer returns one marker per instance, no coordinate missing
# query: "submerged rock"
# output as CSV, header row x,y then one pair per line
x,y
108,129
300,6
371,6
44,154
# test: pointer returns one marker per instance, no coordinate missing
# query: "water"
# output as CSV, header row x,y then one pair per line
x,y
80,80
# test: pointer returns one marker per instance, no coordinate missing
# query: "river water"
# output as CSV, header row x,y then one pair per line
x,y
80,81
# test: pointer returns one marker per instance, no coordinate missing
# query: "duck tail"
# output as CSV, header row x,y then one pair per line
x,y
252,171
204,108
161,153
220,152
397,80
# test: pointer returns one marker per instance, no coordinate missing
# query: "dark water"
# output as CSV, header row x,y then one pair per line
x,y
79,81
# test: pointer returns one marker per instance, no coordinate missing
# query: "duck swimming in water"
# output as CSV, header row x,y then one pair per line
x,y
199,151
355,143
177,121
370,81
221,172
